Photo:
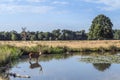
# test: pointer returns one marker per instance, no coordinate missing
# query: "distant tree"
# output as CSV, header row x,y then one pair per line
x,y
13,35
24,34
67,34
56,34
32,37
40,36
2,35
7,36
101,28
46,36
116,34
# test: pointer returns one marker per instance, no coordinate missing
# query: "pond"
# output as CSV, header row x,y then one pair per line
x,y
69,67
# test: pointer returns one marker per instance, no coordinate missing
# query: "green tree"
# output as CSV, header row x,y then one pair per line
x,y
56,34
116,34
13,35
32,37
101,28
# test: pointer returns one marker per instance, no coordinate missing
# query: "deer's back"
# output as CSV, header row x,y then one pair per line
x,y
33,55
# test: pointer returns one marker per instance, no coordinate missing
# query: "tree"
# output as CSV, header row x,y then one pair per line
x,y
116,34
56,34
101,28
40,36
13,35
23,34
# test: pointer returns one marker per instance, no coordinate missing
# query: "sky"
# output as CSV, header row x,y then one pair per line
x,y
47,15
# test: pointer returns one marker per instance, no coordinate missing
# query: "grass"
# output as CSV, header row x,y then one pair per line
x,y
8,53
70,44
80,46
44,49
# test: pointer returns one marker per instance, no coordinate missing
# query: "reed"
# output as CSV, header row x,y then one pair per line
x,y
8,53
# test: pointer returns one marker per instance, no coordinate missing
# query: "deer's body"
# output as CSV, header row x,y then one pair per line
x,y
34,55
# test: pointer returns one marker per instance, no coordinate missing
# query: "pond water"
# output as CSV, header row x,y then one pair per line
x,y
68,67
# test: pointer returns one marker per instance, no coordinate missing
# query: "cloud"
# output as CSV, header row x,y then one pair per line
x,y
29,1
108,4
30,6
37,1
4,8
60,2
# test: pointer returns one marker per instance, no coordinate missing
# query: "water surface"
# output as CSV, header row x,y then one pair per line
x,y
66,67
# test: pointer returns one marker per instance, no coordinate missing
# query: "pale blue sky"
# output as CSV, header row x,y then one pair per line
x,y
47,15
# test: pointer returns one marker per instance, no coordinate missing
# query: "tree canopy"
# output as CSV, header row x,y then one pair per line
x,y
54,35
101,28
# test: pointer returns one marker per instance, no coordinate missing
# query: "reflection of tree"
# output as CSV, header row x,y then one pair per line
x,y
102,66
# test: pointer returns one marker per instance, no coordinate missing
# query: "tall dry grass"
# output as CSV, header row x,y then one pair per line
x,y
70,44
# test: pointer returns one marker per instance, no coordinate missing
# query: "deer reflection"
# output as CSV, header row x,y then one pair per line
x,y
35,64
102,66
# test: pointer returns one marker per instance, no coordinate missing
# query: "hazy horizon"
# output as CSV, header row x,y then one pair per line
x,y
47,15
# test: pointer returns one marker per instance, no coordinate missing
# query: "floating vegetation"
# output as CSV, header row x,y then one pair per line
x,y
101,59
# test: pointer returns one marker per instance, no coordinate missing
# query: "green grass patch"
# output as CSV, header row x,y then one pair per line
x,y
9,53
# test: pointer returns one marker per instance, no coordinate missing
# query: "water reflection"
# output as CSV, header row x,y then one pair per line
x,y
101,66
35,64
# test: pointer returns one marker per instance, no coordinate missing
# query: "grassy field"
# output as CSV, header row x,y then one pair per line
x,y
70,44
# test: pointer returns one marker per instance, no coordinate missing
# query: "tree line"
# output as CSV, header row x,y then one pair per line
x,y
54,35
100,29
